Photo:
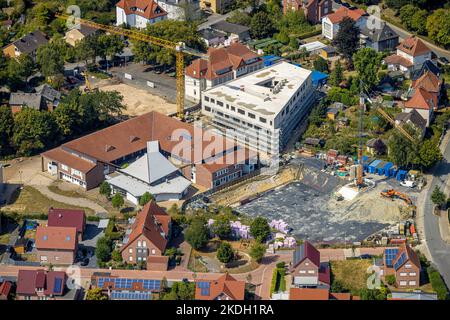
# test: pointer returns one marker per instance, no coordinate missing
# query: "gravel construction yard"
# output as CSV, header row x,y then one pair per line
x,y
304,209
138,101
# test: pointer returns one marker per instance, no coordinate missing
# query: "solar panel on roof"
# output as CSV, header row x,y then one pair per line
x,y
390,255
400,261
57,285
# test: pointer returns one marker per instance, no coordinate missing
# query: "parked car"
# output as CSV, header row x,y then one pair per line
x,y
365,256
408,183
85,262
103,64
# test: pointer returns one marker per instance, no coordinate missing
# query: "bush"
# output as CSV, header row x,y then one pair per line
x,y
197,233
257,251
225,253
146,198
390,279
105,189
103,249
117,201
437,283
260,229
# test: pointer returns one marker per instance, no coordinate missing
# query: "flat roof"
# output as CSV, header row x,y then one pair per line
x,y
255,92
315,45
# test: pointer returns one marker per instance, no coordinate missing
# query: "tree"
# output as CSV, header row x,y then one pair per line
x,y
18,70
50,58
438,27
257,251
390,279
429,154
117,201
146,198
240,17
33,131
320,64
6,129
338,287
260,229
96,294
110,45
367,62
225,252
103,249
181,291
197,233
401,151
337,75
116,256
105,189
438,197
261,26
347,38
221,227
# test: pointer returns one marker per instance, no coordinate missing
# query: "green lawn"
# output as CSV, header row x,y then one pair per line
x,y
352,274
29,200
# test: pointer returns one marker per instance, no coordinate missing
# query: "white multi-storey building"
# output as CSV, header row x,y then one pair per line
x,y
264,107
330,23
224,64
177,9
139,13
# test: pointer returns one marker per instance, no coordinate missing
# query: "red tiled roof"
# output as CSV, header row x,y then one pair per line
x,y
219,59
63,238
312,253
324,273
413,46
308,294
410,254
66,218
150,222
396,59
59,155
343,12
340,296
148,9
428,81
225,284
29,280
5,288
422,99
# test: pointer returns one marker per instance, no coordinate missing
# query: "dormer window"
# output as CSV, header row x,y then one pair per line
x,y
109,148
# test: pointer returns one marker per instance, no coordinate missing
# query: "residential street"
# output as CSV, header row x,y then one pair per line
x,y
438,249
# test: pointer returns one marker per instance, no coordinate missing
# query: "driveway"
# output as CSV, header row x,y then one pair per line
x,y
91,235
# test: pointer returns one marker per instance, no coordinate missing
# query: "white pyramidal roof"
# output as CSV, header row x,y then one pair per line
x,y
152,166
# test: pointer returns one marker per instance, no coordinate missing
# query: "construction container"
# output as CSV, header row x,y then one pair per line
x,y
332,156
387,169
373,166
401,175
380,168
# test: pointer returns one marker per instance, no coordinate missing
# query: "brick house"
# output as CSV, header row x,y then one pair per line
x,y
224,288
67,218
314,9
148,236
41,285
56,245
307,270
404,264
86,161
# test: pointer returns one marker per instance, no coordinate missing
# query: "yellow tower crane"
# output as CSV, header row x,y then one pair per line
x,y
179,49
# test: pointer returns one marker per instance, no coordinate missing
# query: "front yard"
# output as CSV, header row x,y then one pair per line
x,y
351,274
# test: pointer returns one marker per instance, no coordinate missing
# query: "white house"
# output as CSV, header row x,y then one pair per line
x,y
224,64
139,13
411,55
264,107
330,23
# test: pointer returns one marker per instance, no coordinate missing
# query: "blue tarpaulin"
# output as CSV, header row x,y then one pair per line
x,y
319,78
387,169
401,175
373,166
270,60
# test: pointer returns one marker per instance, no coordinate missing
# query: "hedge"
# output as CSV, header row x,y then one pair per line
x,y
437,283
278,280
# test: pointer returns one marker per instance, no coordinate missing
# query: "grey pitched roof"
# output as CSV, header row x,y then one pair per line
x,y
414,117
31,100
48,92
87,30
210,34
30,42
428,65
229,27
384,33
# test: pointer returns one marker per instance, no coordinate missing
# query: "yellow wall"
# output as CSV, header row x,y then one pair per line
x,y
9,51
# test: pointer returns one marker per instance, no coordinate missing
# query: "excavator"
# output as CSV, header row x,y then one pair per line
x,y
394,194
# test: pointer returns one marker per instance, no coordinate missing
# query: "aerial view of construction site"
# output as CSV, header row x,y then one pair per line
x,y
224,150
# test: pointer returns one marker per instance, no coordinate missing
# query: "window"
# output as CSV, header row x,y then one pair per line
x,y
251,115
153,251
241,111
407,266
64,167
130,258
302,271
263,120
306,263
56,258
44,258
412,274
139,259
412,283
130,250
213,101
220,103
139,243
206,98
403,283
144,244
207,109
310,271
233,108
403,274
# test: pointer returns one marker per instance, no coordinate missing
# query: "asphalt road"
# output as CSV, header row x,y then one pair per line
x,y
439,250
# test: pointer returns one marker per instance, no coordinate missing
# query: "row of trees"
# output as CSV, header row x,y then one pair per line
x,y
30,131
